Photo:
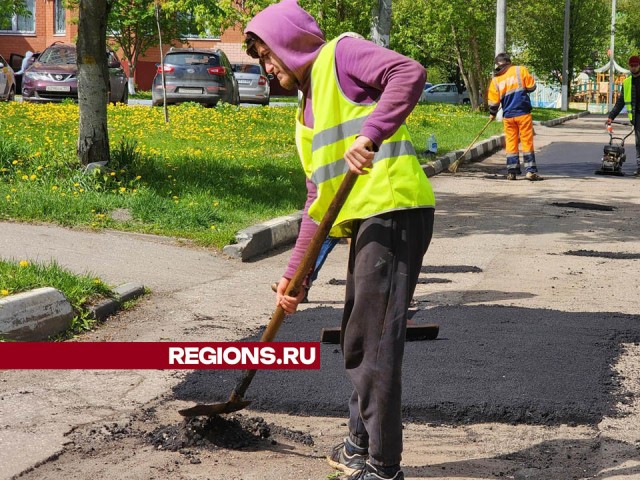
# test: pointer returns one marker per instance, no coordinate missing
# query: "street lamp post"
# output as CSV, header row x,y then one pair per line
x,y
501,22
565,57
612,55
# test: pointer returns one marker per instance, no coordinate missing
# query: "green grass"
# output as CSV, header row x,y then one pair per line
x,y
203,176
141,95
80,290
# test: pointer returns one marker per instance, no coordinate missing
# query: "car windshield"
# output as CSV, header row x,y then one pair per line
x,y
192,58
59,56
249,68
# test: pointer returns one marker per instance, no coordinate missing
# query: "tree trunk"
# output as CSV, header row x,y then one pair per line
x,y
93,82
381,23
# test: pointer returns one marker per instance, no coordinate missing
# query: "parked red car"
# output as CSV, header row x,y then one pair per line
x,y
53,76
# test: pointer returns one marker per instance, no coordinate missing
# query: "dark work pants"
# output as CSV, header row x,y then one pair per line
x,y
637,132
384,263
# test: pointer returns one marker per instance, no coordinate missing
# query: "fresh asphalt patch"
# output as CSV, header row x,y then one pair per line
x,y
585,206
450,269
489,363
612,255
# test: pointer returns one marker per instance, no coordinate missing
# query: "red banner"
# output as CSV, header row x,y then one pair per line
x,y
160,355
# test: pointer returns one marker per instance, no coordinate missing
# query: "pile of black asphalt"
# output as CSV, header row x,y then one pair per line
x,y
489,363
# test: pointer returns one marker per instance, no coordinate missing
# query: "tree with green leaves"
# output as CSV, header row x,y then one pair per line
x,y
627,29
536,31
9,8
455,36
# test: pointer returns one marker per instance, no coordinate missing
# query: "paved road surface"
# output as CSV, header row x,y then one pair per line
x,y
527,309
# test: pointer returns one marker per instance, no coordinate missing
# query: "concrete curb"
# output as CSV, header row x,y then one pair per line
x,y
558,121
280,231
34,315
40,313
123,293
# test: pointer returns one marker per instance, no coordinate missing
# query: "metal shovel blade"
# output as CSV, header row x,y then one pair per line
x,y
209,410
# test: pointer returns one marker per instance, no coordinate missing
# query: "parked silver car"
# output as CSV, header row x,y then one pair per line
x,y
7,81
202,75
445,93
253,83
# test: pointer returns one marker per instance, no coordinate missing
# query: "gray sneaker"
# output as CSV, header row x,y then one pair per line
x,y
369,472
346,462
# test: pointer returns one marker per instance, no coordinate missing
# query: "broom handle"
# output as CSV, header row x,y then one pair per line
x,y
475,139
306,264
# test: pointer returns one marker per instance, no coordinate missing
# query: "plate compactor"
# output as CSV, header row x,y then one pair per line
x,y
614,155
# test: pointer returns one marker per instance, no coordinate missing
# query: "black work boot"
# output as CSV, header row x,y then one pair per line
x,y
370,472
348,457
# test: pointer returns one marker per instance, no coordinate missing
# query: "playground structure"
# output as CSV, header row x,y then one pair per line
x,y
591,92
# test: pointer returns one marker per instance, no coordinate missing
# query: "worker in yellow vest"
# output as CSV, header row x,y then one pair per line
x,y
356,96
630,97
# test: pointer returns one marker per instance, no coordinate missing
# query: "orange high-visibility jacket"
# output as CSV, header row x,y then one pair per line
x,y
512,89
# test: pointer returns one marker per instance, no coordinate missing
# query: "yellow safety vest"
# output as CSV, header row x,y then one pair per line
x,y
627,86
396,180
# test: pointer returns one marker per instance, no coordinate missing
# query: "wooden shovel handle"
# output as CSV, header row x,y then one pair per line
x,y
306,264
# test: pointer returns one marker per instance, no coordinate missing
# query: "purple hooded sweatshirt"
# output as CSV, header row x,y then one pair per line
x,y
366,73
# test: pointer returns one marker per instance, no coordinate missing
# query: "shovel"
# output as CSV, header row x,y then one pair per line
x,y
236,400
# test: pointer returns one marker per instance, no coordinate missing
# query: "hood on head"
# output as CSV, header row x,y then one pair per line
x,y
291,33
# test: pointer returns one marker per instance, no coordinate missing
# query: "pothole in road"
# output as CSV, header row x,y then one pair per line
x,y
231,432
585,206
614,255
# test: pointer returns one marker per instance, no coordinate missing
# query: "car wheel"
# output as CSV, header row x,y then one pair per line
x,y
265,103
125,96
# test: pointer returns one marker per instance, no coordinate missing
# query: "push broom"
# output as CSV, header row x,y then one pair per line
x,y
453,168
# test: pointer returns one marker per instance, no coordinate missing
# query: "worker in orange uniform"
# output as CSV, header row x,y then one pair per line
x,y
510,87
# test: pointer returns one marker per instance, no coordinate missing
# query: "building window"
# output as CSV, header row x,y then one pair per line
x,y
60,17
21,23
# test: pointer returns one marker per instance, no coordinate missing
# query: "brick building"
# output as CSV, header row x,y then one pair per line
x,y
51,22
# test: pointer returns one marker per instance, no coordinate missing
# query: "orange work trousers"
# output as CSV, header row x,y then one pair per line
x,y
519,130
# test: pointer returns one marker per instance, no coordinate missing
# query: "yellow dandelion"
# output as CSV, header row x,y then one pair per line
x,y
97,281
76,184
113,174
25,177
123,189
32,177
4,292
24,263
15,162
54,188
8,197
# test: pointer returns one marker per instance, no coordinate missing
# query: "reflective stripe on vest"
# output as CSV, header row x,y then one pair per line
x,y
627,87
396,180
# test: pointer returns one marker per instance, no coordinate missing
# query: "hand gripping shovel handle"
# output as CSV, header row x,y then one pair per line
x,y
306,264
453,168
